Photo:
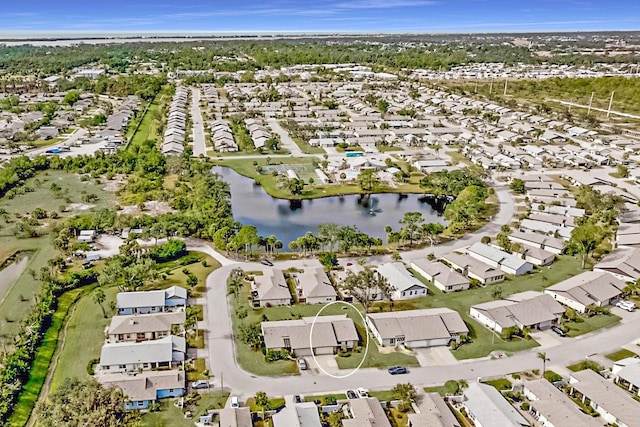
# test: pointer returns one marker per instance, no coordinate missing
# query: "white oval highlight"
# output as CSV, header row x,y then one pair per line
x,y
366,331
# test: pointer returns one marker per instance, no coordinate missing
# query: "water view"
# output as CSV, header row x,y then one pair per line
x,y
11,272
289,219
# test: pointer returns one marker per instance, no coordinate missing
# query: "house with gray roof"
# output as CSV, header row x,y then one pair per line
x,y
270,289
626,372
328,334
537,240
235,417
406,285
367,412
474,269
144,388
297,415
614,405
552,408
486,407
497,258
168,352
417,328
144,327
313,286
623,263
142,302
444,278
432,411
589,289
529,309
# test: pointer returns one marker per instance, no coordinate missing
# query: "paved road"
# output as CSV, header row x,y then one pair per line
x,y
285,140
222,354
199,145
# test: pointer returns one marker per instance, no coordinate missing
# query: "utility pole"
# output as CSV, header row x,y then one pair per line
x,y
610,104
505,87
222,383
491,87
476,88
590,101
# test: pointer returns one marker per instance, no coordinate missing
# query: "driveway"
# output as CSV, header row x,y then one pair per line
x,y
435,356
285,140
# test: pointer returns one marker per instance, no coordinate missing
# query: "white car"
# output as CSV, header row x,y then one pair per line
x,y
234,402
362,393
626,305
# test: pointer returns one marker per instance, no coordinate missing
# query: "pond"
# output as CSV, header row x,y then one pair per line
x,y
11,272
290,219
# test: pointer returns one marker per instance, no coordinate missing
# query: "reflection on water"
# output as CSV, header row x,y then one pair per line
x,y
289,219
11,272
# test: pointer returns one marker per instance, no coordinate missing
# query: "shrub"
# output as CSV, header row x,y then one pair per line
x,y
91,365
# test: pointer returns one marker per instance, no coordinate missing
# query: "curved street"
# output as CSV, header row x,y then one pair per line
x,y
225,370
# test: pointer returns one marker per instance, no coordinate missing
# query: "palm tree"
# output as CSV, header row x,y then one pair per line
x,y
236,281
99,298
543,356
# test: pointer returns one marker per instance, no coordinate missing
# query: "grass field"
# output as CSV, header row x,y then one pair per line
x,y
72,190
172,416
590,324
623,353
175,275
83,338
153,120
500,384
40,368
308,148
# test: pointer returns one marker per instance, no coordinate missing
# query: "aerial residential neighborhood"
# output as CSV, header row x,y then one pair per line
x,y
347,214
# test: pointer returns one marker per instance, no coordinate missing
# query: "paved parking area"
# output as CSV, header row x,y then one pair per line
x,y
435,356
547,338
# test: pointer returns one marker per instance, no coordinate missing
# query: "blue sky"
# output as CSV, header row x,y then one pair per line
x,y
319,15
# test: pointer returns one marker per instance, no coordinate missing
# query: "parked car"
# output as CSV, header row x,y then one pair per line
x,y
266,262
302,365
397,370
362,392
297,399
558,330
234,402
626,305
351,394
200,384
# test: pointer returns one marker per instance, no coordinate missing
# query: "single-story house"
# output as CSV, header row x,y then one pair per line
x,y
626,372
297,415
486,407
313,286
591,288
330,335
530,309
405,284
537,240
144,327
537,256
143,302
497,258
367,412
168,352
147,387
614,405
270,289
623,263
235,417
432,411
552,408
444,278
417,328
474,269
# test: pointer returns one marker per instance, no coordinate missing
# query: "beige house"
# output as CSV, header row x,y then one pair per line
x,y
313,286
444,278
432,411
417,328
270,289
327,335
474,269
589,289
235,417
367,412
144,327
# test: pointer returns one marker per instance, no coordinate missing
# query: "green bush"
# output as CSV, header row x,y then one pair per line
x,y
91,365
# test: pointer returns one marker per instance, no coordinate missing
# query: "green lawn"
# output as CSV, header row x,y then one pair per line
x,y
153,120
590,324
308,148
386,148
274,403
449,388
500,384
585,364
623,353
199,371
383,395
552,376
458,158
46,142
483,342
172,416
323,398
40,368
84,337
175,275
